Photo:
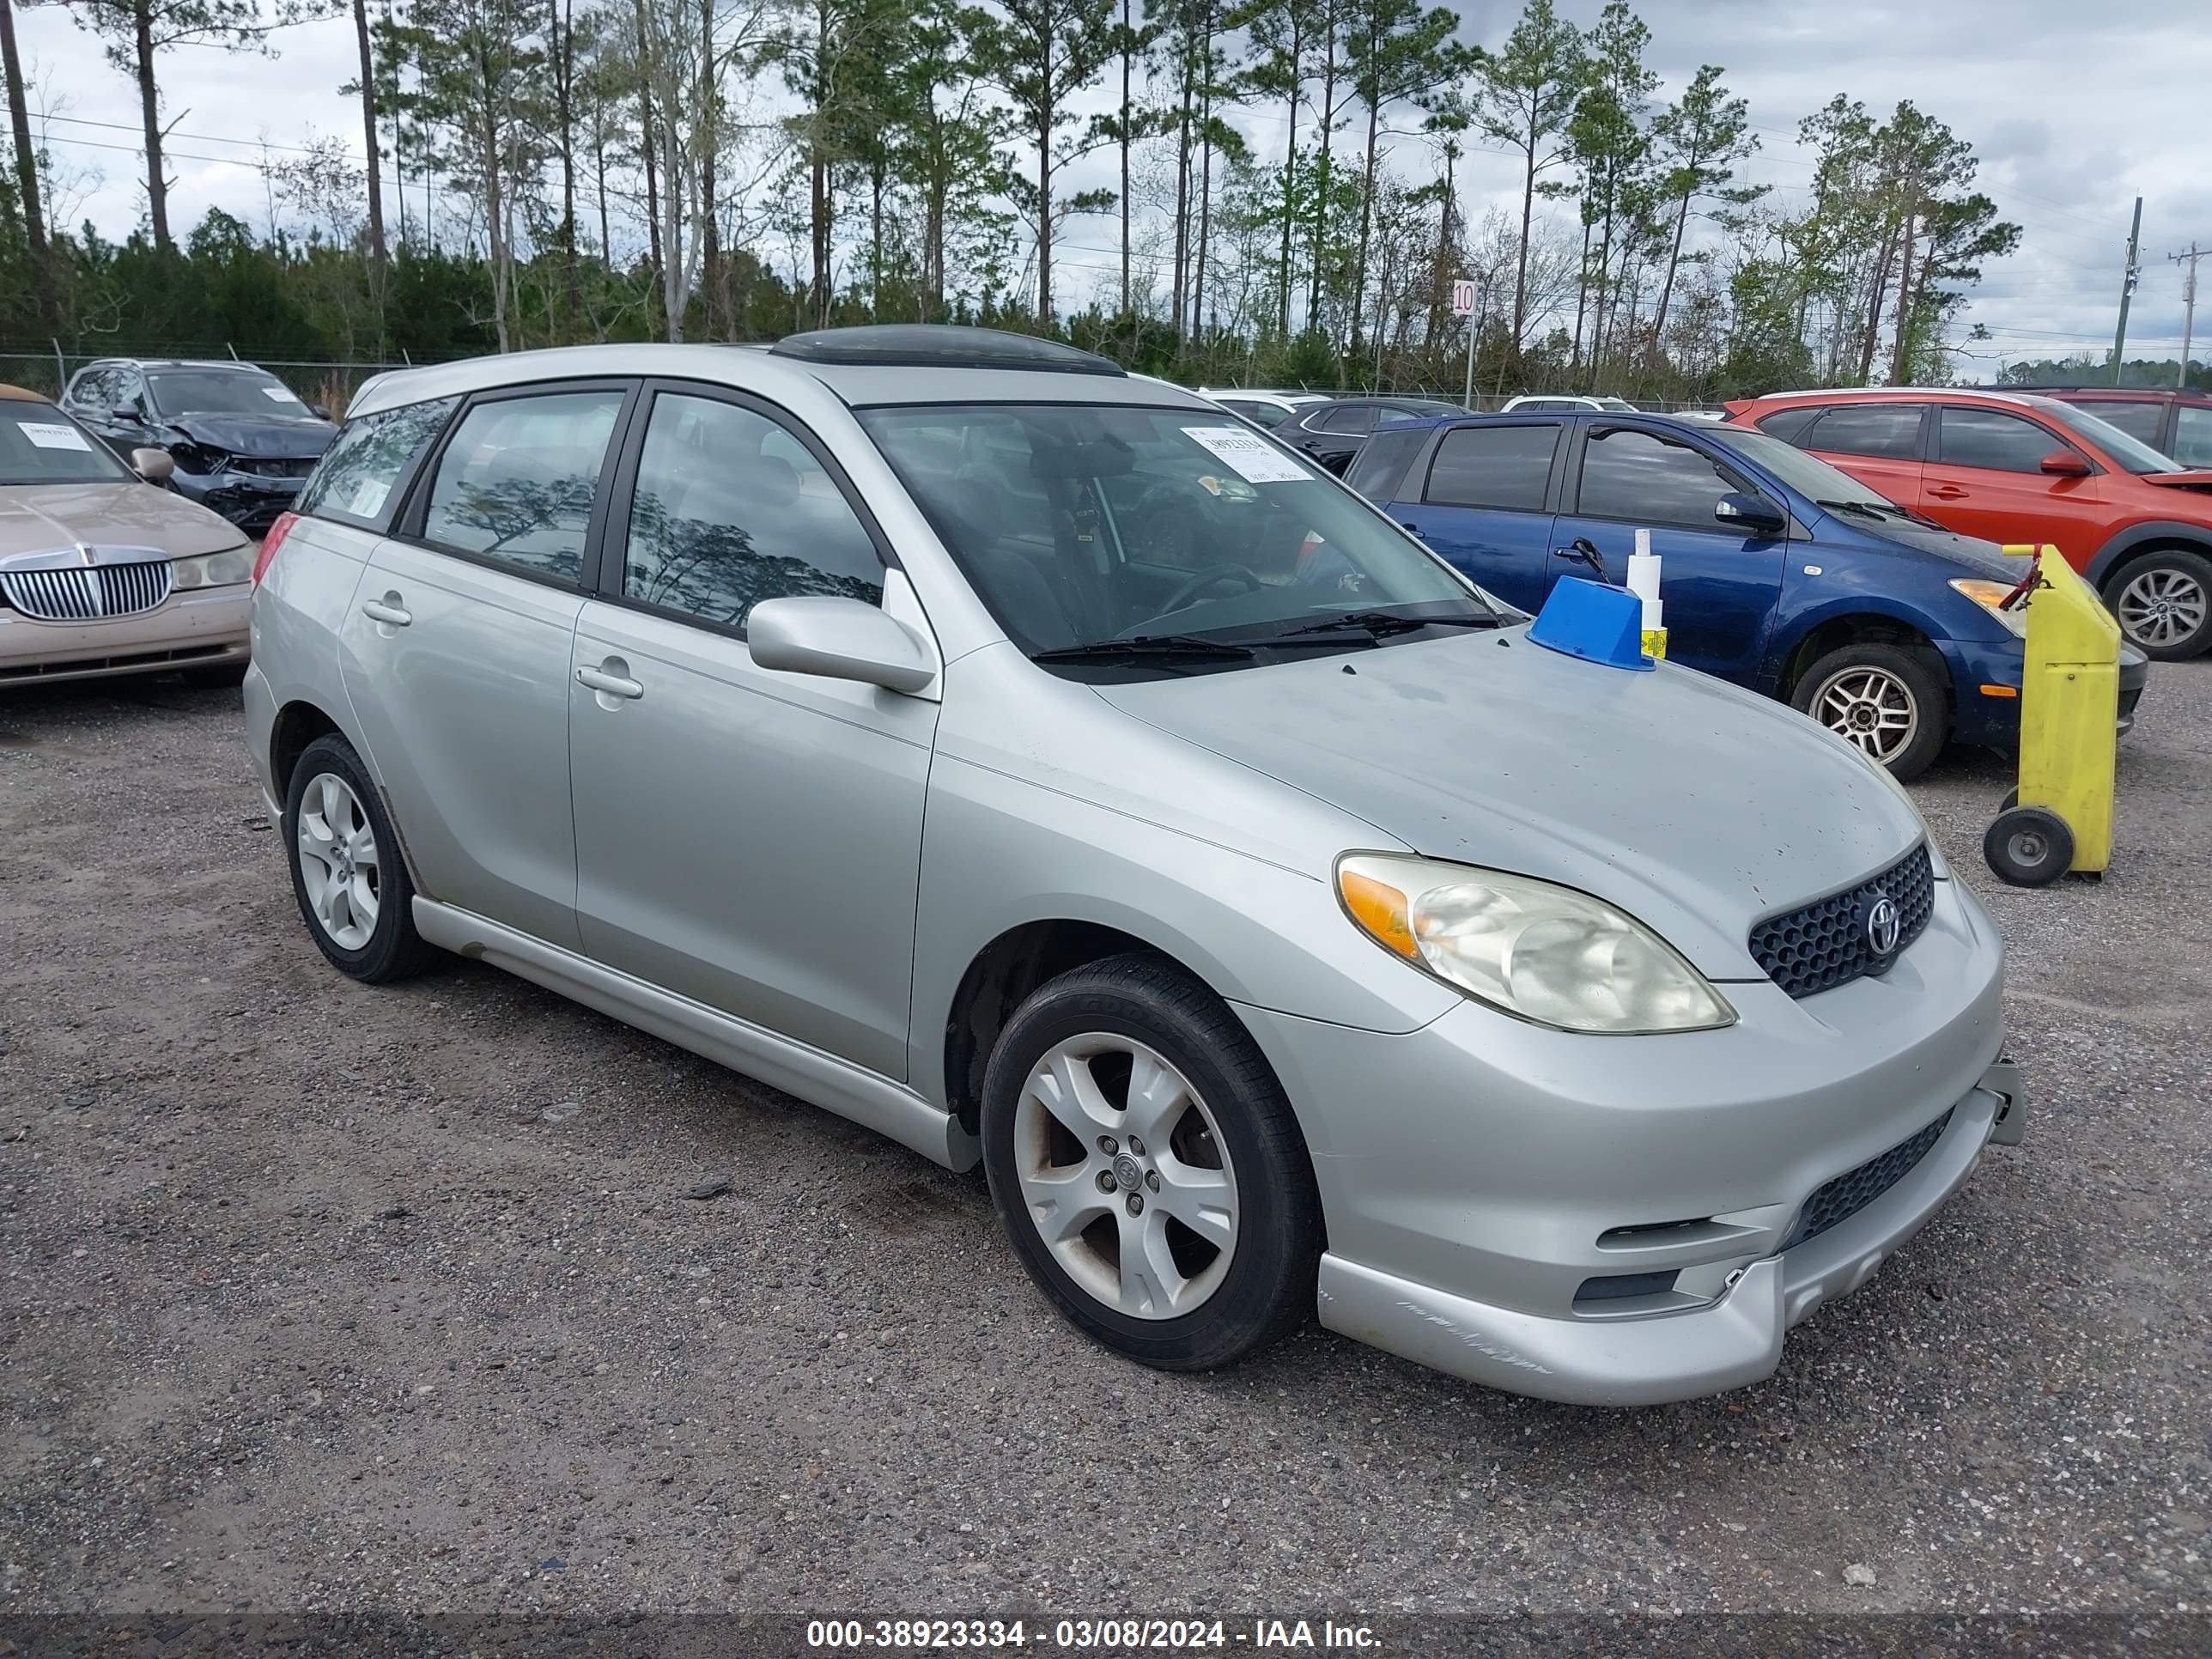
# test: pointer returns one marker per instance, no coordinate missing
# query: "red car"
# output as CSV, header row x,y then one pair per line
x,y
2010,468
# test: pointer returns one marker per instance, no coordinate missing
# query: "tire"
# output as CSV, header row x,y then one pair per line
x,y
2029,846
368,930
2163,603
1230,1156
1851,691
222,677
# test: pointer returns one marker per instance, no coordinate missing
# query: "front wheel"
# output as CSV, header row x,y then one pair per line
x,y
1881,699
1147,1169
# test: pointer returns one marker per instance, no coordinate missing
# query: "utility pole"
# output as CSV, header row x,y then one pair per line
x,y
2128,293
2188,304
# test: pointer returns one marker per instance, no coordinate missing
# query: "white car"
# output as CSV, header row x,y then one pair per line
x,y
1268,409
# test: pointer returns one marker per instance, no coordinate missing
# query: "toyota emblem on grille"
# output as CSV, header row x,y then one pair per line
x,y
1885,922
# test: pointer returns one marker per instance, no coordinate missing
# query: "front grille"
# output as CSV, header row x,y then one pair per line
x,y
271,466
94,594
1824,944
1853,1190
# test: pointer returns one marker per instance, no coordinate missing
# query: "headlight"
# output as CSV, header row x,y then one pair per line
x,y
1540,952
211,569
1991,597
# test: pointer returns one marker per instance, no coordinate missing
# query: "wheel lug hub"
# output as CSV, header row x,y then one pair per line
x,y
1109,1146
1136,1203
1105,1180
1136,1147
1152,1180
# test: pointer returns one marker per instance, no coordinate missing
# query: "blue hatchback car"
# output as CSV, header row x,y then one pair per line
x,y
1779,572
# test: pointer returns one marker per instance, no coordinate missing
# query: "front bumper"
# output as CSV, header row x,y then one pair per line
x,y
1993,722
203,627
1626,1220
248,500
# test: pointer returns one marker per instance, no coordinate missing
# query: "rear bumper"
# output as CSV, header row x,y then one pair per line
x,y
198,629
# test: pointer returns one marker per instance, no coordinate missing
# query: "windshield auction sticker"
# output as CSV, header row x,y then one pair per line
x,y
1255,459
45,434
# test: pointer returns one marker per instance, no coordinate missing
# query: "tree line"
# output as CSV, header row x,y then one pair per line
x,y
1268,190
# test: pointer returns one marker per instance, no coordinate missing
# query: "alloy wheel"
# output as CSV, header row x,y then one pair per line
x,y
2161,608
339,863
1125,1175
1871,707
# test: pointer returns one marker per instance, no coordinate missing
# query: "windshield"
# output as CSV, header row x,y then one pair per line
x,y
2132,453
220,391
1080,525
39,445
1808,475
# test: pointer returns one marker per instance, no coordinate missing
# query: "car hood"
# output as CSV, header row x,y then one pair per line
x,y
1972,556
283,437
1694,805
53,518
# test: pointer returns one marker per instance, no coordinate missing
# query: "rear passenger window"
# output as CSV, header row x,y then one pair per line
x,y
358,479
1358,419
1384,460
2192,436
1888,431
1993,440
730,510
516,483
2137,420
1628,474
1503,466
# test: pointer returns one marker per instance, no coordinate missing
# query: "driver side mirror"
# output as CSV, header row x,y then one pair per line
x,y
130,409
1754,516
838,639
155,466
2065,464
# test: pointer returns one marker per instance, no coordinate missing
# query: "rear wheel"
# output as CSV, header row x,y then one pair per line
x,y
1147,1169
2163,603
347,873
1881,699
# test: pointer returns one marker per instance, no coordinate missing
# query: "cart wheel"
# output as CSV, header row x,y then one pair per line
x,y
2029,846
2011,799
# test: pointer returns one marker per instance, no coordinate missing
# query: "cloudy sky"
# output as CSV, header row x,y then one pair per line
x,y
2073,111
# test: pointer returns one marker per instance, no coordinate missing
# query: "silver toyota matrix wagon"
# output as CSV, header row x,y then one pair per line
x,y
1040,766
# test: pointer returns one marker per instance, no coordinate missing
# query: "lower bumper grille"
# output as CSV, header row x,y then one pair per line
x,y
1839,1199
97,593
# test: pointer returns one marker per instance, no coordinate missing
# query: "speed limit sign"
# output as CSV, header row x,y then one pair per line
x,y
1463,298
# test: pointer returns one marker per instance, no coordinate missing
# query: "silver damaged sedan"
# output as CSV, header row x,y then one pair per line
x,y
1032,763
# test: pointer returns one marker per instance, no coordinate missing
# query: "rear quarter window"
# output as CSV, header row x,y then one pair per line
x,y
1381,466
365,470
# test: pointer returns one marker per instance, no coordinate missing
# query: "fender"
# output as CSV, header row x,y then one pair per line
x,y
2197,536
1790,632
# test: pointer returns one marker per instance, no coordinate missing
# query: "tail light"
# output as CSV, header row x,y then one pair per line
x,y
271,543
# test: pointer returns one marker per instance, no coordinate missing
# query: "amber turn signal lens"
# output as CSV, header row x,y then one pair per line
x,y
1381,909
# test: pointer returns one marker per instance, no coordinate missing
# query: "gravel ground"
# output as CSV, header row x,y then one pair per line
x,y
321,1296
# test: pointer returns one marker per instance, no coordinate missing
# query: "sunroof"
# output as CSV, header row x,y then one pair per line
x,y
940,345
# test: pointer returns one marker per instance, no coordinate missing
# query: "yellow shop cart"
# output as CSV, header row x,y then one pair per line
x,y
2060,818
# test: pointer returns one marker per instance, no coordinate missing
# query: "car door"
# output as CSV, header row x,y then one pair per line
x,y
1986,479
2192,435
748,838
1879,444
1484,504
1719,586
457,650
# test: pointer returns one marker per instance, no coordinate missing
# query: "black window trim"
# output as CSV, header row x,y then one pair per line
x,y
1535,417
605,568
2097,468
401,497
1723,463
407,523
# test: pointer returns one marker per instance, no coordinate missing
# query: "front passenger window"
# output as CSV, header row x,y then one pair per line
x,y
516,483
730,510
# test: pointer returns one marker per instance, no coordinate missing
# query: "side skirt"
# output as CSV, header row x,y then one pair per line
x,y
837,1085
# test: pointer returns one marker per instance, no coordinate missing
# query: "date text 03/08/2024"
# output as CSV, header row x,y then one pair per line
x,y
1080,1635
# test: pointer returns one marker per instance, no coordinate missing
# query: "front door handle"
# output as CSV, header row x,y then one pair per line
x,y
609,684
1946,492
388,610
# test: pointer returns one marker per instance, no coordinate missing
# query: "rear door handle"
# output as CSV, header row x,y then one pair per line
x,y
614,685
388,611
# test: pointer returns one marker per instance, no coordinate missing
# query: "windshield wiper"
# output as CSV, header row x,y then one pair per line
x,y
1377,623
1866,509
1149,645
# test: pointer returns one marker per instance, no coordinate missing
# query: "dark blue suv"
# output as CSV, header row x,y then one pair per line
x,y
1778,571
